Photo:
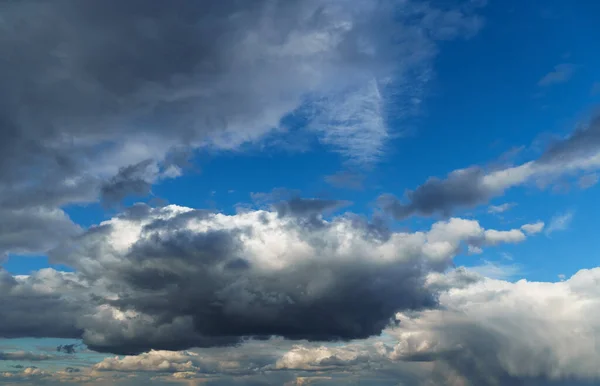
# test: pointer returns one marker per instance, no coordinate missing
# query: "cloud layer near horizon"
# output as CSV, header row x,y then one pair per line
x,y
485,333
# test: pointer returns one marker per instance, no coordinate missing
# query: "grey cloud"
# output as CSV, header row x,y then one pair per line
x,y
68,348
41,305
584,141
562,73
31,230
347,180
91,90
172,277
462,188
302,207
466,188
130,180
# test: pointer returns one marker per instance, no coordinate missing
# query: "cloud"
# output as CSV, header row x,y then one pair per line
x,y
532,229
588,180
485,332
560,222
499,333
175,277
495,209
24,356
130,180
158,361
302,207
561,74
55,298
321,358
464,188
497,271
345,180
68,348
35,229
78,126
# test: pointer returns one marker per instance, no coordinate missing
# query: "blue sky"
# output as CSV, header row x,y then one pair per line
x,y
374,119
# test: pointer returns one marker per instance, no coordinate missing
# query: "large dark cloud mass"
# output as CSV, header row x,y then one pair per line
x,y
174,277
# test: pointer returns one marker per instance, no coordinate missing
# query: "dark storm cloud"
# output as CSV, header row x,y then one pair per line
x,y
193,286
467,188
182,276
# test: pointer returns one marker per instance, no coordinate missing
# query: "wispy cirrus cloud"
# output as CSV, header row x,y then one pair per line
x,y
561,74
560,222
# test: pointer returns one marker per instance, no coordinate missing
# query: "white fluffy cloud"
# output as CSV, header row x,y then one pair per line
x,y
494,332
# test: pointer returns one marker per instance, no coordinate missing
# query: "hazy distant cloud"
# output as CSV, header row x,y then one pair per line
x,y
24,356
588,180
495,209
494,270
308,207
561,73
346,180
464,188
560,222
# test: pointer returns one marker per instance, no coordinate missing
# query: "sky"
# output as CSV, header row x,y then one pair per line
x,y
323,192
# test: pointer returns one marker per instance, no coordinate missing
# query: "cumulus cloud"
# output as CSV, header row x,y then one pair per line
x,y
532,229
494,332
175,277
321,358
486,332
464,188
97,96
